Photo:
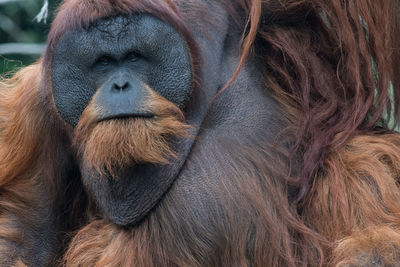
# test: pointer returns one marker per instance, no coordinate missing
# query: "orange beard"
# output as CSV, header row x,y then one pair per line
x,y
110,145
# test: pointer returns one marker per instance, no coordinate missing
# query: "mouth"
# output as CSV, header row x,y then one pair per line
x,y
127,116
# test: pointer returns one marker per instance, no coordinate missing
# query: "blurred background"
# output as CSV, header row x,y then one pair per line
x,y
22,32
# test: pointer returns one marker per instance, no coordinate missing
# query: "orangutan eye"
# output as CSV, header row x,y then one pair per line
x,y
132,57
104,60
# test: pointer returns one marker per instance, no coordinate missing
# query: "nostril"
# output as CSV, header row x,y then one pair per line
x,y
116,87
126,85
121,87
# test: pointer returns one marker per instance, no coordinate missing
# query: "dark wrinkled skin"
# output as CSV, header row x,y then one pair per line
x,y
121,51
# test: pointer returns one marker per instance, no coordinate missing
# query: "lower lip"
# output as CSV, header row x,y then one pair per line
x,y
127,116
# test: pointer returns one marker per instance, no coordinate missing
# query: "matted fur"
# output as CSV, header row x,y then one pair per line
x,y
109,145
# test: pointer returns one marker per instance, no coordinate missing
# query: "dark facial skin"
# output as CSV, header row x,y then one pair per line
x,y
114,59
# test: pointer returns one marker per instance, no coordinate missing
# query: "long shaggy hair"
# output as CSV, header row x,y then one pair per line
x,y
333,65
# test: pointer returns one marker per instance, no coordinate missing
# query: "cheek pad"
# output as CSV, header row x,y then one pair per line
x,y
71,81
72,91
173,78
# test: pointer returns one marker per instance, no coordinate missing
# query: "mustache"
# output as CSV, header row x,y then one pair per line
x,y
108,146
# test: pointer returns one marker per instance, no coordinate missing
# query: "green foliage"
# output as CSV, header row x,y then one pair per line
x,y
11,63
17,25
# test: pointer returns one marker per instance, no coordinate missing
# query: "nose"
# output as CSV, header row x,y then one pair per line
x,y
120,81
121,86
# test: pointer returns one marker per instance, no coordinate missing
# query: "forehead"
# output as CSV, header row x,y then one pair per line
x,y
118,34
114,27
137,26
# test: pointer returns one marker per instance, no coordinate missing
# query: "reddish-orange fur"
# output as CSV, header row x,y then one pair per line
x,y
22,136
355,205
109,145
19,150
